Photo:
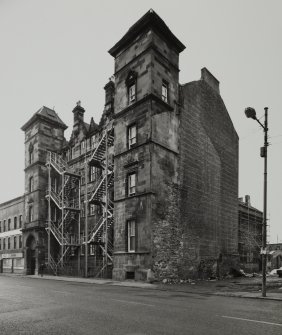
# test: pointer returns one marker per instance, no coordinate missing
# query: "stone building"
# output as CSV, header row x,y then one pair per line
x,y
250,235
11,220
149,191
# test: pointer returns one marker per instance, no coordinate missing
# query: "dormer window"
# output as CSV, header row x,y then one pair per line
x,y
165,91
131,82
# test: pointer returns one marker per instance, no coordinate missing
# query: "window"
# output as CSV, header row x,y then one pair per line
x,y
82,147
20,242
9,224
92,141
4,225
15,242
92,209
31,184
31,154
131,81
9,243
72,152
30,214
0,243
93,173
165,92
83,245
82,209
131,179
131,136
131,236
15,222
4,243
99,210
54,213
20,221
0,226
132,93
91,249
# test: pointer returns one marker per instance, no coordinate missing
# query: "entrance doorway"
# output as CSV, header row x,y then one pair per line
x,y
30,255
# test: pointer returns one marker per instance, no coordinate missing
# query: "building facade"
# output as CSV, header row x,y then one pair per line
x,y
250,235
11,244
149,191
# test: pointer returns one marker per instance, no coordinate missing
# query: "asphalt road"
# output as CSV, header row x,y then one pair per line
x,y
35,306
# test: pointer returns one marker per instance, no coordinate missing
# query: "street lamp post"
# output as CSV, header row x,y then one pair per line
x,y
251,113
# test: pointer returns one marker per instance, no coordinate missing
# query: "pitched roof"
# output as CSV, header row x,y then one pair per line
x,y
150,19
46,114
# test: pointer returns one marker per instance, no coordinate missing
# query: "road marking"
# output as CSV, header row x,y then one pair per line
x,y
64,292
250,320
133,302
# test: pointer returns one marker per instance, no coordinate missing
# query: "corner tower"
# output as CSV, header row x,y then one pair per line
x,y
146,142
44,131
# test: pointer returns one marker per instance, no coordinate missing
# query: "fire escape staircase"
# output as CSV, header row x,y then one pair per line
x,y
98,192
66,200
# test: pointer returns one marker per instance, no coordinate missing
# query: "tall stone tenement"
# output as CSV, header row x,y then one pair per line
x,y
149,192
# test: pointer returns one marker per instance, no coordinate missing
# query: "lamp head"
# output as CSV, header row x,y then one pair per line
x,y
250,113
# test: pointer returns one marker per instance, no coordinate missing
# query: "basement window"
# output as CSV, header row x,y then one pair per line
x,y
130,275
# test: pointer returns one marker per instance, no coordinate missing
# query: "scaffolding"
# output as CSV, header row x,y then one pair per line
x,y
69,237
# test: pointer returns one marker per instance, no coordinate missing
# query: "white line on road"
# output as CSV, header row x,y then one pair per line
x,y
250,320
133,302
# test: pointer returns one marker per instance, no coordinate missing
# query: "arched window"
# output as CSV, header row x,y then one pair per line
x,y
31,153
31,184
15,242
30,214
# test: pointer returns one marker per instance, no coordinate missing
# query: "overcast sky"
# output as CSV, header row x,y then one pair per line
x,y
54,53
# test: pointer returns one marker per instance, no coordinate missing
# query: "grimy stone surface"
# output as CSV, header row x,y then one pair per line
x,y
185,158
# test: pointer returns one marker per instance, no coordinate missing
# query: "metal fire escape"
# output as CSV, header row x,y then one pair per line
x,y
66,229
101,233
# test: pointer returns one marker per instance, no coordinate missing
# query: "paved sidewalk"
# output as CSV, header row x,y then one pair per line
x,y
95,281
242,288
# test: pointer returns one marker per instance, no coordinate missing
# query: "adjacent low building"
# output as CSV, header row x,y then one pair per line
x,y
274,257
11,246
249,235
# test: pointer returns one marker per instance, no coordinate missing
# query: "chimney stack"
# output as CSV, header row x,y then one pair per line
x,y
248,200
210,79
